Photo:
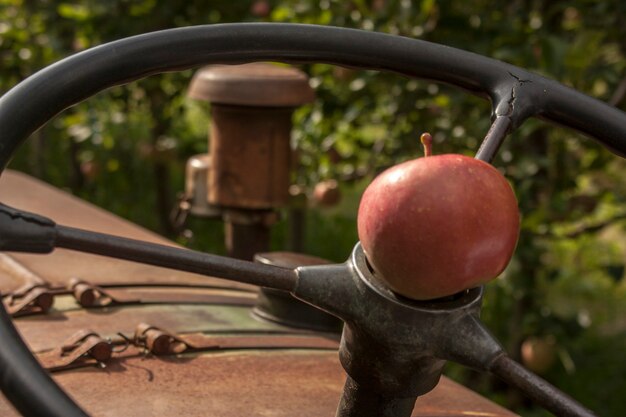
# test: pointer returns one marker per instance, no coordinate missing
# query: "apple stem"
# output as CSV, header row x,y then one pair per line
x,y
427,141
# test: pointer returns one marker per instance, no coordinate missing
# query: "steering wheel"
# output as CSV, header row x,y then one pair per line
x,y
388,365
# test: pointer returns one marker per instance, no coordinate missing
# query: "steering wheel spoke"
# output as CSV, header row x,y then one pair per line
x,y
536,388
26,232
494,138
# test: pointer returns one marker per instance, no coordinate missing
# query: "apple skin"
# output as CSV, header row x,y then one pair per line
x,y
438,225
538,353
327,193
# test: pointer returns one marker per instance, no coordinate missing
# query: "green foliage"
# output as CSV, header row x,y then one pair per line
x,y
125,148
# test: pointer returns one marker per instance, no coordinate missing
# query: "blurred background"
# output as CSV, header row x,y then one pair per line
x,y
560,307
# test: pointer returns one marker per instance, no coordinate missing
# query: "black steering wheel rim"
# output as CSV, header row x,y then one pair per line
x,y
516,94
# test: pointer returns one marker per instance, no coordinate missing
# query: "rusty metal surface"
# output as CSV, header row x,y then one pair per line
x,y
39,299
172,295
87,348
14,270
34,300
32,294
254,84
250,152
63,265
161,342
201,341
82,347
49,331
251,161
236,384
23,192
248,371
90,296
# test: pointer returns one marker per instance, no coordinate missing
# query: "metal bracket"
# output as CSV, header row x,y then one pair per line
x,y
162,342
34,296
159,341
80,348
89,295
30,299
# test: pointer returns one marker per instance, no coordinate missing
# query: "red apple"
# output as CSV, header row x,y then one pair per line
x,y
327,193
539,353
261,8
90,169
437,225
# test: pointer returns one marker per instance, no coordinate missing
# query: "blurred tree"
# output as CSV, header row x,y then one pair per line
x,y
566,281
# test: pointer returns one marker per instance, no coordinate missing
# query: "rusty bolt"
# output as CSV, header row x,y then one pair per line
x,y
44,301
84,293
101,351
157,341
